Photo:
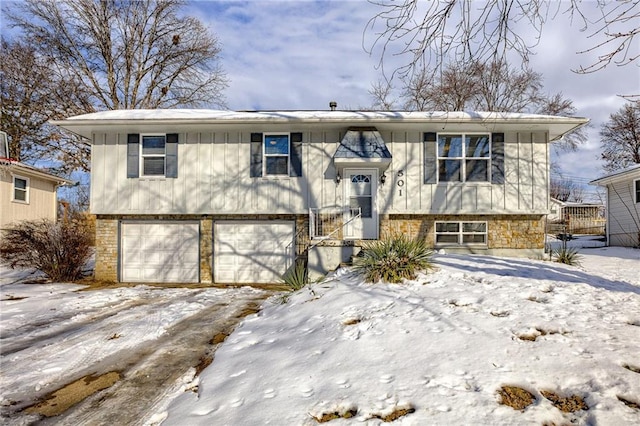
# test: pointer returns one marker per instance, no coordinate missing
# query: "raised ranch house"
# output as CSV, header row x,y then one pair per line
x,y
623,206
26,192
235,197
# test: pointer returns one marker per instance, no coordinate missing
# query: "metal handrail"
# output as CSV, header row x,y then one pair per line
x,y
313,230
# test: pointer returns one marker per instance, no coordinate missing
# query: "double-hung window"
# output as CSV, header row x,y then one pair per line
x,y
153,155
636,184
20,189
464,158
276,154
461,233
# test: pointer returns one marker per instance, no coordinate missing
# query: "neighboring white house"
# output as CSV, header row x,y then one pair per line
x,y
623,206
234,197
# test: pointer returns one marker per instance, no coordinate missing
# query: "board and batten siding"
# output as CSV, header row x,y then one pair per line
x,y
214,178
623,214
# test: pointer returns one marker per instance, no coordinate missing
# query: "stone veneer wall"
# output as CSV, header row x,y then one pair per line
x,y
504,231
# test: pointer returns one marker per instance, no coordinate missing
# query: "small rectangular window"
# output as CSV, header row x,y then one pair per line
x,y
153,155
461,233
464,158
20,189
637,188
276,154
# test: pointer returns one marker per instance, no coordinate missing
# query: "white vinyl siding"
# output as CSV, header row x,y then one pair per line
x,y
623,213
214,177
159,251
252,252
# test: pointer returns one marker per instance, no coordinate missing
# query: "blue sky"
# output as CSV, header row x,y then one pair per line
x,y
303,54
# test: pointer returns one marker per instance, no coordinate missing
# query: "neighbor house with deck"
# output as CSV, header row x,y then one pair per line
x,y
235,197
623,206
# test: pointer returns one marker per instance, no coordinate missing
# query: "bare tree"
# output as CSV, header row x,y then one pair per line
x,y
31,94
620,138
382,93
127,54
481,87
559,105
430,33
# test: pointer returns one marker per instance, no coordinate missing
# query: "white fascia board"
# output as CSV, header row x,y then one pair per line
x,y
87,124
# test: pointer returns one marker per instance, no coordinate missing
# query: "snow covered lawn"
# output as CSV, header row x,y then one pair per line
x,y
437,349
433,351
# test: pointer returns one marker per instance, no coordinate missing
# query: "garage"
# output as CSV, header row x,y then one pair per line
x,y
252,252
159,251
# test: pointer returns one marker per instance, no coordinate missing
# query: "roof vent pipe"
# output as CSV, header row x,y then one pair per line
x,y
333,105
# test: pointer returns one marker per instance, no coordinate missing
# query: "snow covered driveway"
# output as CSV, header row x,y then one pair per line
x,y
54,334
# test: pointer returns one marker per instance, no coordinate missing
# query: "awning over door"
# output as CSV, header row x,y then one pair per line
x,y
362,147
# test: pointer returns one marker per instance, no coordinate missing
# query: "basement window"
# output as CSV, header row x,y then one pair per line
x,y
461,233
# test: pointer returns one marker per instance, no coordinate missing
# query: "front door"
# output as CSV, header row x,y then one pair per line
x,y
361,210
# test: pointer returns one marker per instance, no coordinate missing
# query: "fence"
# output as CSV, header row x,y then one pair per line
x,y
587,220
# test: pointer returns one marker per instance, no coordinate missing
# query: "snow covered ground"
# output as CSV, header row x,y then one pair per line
x,y
440,346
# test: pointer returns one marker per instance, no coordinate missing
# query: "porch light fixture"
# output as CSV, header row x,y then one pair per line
x,y
338,178
383,178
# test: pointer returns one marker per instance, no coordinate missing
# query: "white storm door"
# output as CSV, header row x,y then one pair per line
x,y
361,189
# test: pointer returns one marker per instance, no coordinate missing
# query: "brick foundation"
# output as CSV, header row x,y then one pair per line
x,y
504,231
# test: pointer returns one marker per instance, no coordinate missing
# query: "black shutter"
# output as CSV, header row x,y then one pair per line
x,y
296,155
497,158
171,152
133,155
430,157
255,169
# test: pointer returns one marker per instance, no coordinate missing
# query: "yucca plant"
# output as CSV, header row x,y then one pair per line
x,y
568,256
393,259
296,276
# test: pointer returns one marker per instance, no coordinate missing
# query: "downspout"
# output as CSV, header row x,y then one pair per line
x,y
608,225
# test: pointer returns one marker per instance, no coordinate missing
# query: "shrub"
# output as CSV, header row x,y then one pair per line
x,y
393,259
296,276
568,256
59,250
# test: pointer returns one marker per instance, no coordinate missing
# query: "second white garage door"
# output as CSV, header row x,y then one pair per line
x,y
160,251
252,252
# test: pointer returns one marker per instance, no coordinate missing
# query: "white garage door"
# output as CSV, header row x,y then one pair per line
x,y
252,252
160,252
